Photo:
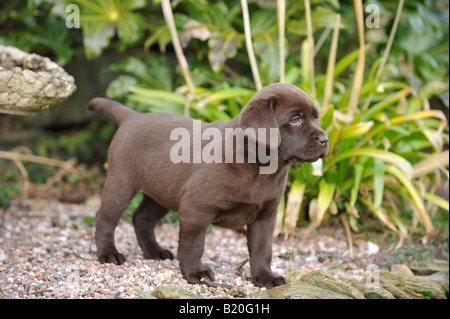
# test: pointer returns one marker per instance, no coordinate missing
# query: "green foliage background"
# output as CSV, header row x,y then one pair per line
x,y
375,153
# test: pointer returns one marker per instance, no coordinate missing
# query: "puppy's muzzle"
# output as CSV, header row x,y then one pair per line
x,y
323,140
322,143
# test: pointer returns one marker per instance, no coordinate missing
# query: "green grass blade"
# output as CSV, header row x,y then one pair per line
x,y
438,200
381,127
345,62
305,67
359,169
326,192
381,214
356,130
415,196
294,200
158,94
377,108
385,156
378,182
226,94
433,162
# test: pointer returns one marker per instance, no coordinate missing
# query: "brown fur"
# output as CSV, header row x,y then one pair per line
x,y
226,194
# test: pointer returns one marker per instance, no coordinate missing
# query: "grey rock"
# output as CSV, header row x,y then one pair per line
x,y
373,291
327,282
441,277
298,290
143,295
414,287
397,292
174,292
30,83
425,268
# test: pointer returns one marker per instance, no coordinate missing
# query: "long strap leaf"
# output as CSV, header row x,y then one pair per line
x,y
417,199
385,156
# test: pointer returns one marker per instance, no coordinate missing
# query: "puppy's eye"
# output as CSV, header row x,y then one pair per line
x,y
296,119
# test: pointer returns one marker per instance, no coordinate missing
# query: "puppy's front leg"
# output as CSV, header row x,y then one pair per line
x,y
259,238
190,248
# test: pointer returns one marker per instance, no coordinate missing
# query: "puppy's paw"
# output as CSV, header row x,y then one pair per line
x,y
195,274
165,254
114,258
159,254
268,280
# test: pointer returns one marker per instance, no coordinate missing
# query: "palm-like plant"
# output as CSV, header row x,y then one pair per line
x,y
385,142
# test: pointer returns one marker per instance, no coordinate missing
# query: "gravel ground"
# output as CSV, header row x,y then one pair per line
x,y
46,251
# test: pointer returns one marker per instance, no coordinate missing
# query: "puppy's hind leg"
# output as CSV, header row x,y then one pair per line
x,y
116,197
145,218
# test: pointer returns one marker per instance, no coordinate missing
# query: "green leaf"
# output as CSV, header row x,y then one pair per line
x,y
96,38
356,130
294,200
131,65
377,108
345,62
378,182
355,188
156,105
89,220
385,156
222,47
225,94
417,199
100,20
381,214
129,29
262,22
305,62
268,51
402,228
155,72
120,86
211,113
318,208
159,101
437,200
321,16
427,294
327,117
158,94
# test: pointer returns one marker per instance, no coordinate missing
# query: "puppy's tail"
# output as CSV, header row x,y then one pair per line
x,y
115,110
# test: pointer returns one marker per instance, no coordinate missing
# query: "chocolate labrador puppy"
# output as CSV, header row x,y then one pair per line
x,y
147,155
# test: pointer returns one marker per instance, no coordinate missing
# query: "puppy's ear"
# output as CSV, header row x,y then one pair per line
x,y
260,113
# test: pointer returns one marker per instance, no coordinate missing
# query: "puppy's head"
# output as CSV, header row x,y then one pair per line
x,y
291,110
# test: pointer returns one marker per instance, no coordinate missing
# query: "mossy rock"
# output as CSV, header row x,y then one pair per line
x,y
425,268
372,291
327,282
298,290
415,287
441,277
315,285
174,292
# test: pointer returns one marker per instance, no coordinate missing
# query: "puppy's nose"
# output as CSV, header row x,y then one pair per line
x,y
323,139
